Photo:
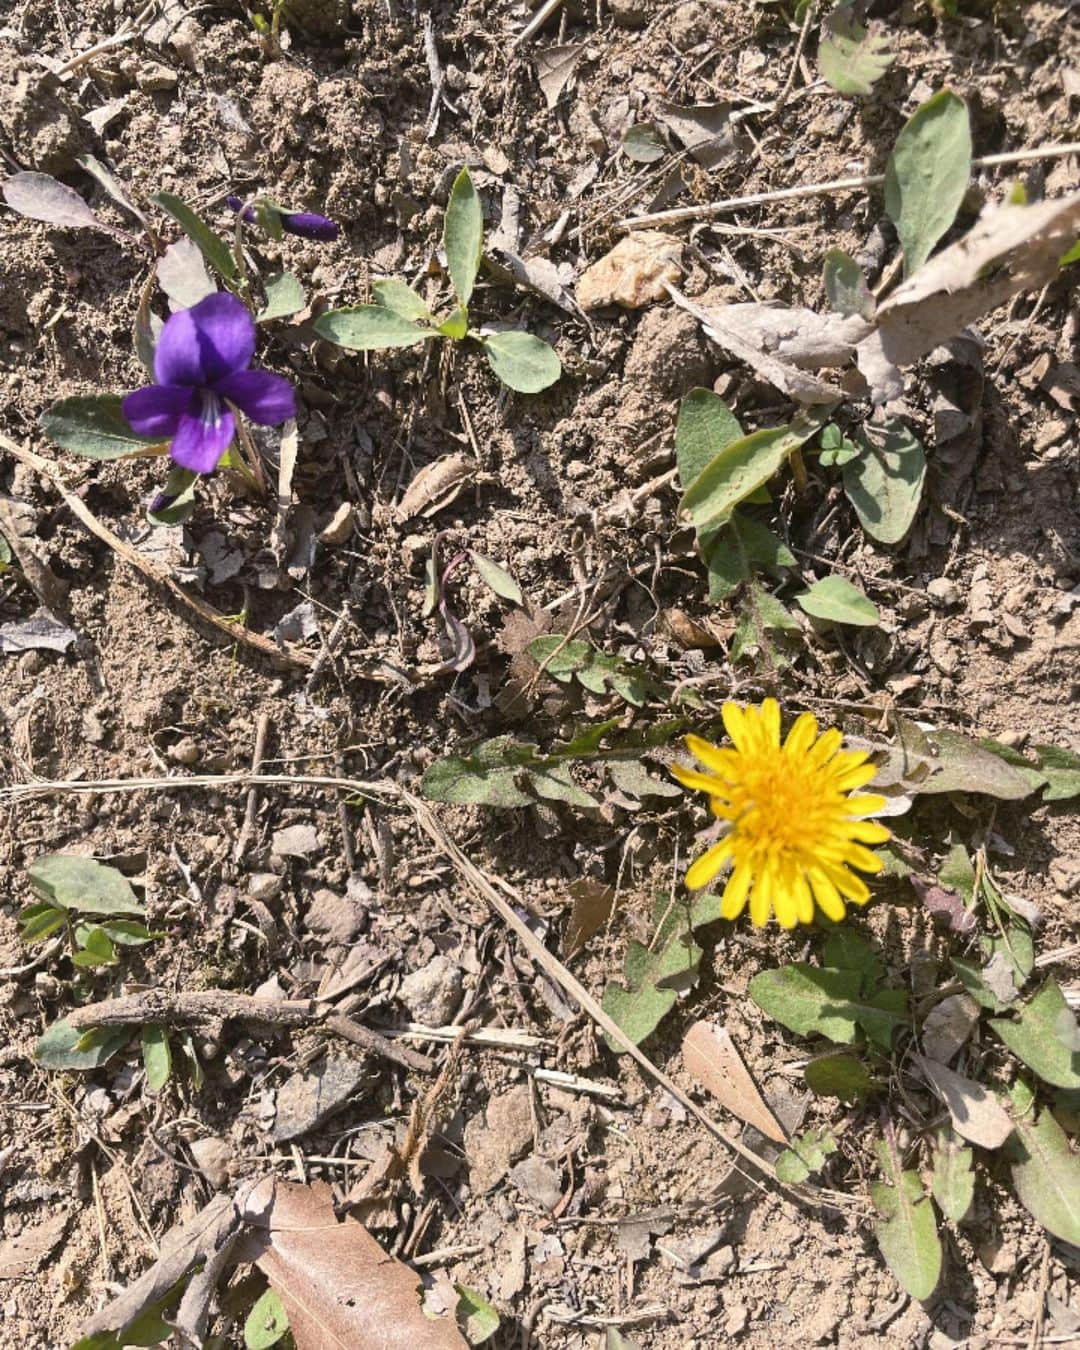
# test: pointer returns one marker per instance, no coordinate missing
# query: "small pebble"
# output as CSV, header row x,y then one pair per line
x,y
185,751
944,591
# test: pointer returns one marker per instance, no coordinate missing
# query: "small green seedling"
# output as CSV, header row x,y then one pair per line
x,y
71,888
400,318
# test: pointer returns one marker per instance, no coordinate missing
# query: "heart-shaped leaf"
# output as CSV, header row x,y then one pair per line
x,y
39,196
522,361
836,600
94,426
368,328
885,482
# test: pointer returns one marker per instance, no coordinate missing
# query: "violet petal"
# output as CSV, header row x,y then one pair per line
x,y
203,344
267,399
157,409
201,441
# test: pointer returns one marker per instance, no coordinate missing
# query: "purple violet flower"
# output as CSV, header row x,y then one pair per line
x,y
202,360
307,224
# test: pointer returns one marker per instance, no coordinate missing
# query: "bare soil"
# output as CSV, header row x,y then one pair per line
x,y
341,124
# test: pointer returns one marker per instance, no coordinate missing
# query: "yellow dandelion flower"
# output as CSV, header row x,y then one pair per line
x,y
796,829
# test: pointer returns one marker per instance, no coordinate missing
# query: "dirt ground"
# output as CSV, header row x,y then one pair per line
x,y
528,1183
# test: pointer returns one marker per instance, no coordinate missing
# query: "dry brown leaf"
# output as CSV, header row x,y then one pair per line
x,y
704,128
1010,249
633,274
435,486
340,1289
591,910
757,334
709,1056
976,1113
22,1254
948,1026
554,68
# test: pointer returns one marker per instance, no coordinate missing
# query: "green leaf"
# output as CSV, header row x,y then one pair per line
x,y
83,884
835,600
806,1155
1062,770
808,999
62,1047
497,578
455,326
885,482
845,285
953,1184
731,549
1016,948
839,1075
395,295
93,426
653,981
597,672
487,777
1072,256
741,467
970,975
475,1316
266,1323
463,236
523,362
39,921
851,58
369,328
927,175
908,1236
95,947
157,1057
284,296
706,426
846,950
643,144
1036,1038
554,783
179,489
962,765
1045,1171
201,235
958,873
128,933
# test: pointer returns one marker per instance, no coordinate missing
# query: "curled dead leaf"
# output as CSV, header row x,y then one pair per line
x,y
435,486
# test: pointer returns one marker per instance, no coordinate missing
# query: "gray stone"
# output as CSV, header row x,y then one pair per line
x,y
334,918
295,841
212,1156
539,1179
305,1100
944,590
433,993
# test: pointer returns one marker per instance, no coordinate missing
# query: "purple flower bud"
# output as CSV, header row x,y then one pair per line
x,y
307,224
310,226
235,204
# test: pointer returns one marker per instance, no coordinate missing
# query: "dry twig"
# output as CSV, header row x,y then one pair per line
x,y
289,656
